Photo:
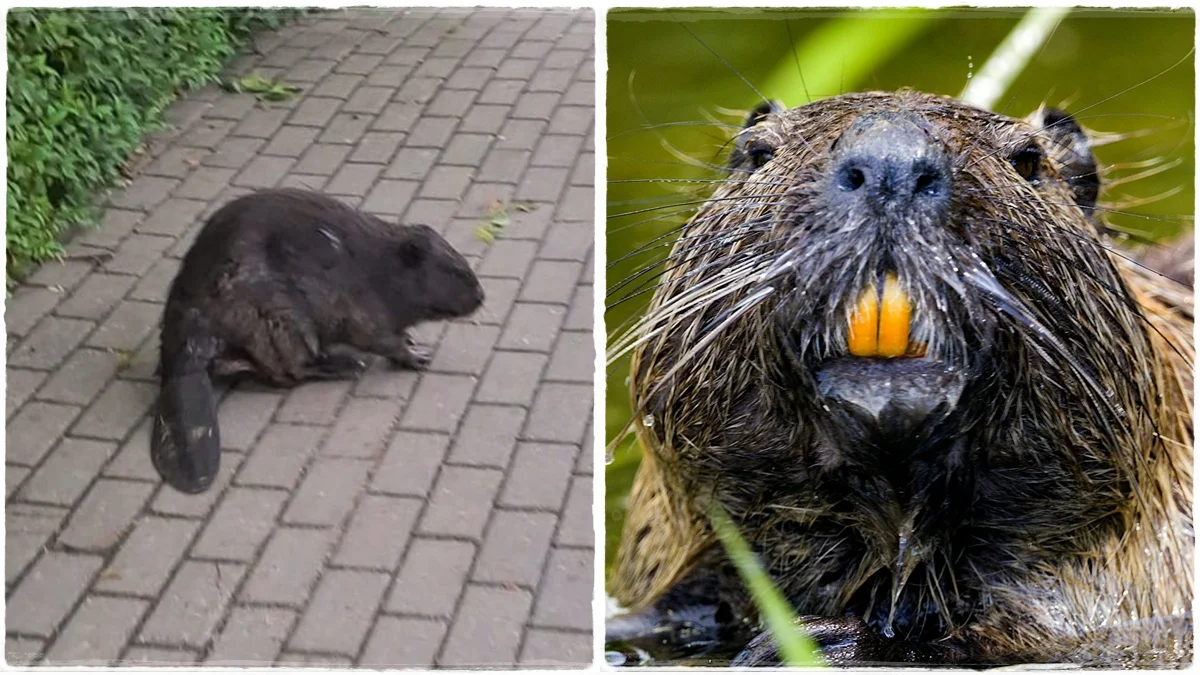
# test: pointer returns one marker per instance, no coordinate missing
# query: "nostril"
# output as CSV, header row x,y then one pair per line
x,y
927,183
851,179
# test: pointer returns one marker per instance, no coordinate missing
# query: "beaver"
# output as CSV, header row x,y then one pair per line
x,y
954,422
287,285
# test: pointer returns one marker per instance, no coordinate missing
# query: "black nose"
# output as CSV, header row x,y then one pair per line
x,y
891,166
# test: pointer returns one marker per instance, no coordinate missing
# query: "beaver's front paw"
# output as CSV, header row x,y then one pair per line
x,y
412,357
848,640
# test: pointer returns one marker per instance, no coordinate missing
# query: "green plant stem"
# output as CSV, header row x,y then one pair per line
x,y
1012,56
794,645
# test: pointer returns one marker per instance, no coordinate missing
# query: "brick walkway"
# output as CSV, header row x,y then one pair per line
x,y
405,519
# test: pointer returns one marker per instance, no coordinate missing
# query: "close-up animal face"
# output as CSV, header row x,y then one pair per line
x,y
445,285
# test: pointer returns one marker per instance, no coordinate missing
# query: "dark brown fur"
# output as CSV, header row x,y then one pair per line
x,y
1045,515
277,284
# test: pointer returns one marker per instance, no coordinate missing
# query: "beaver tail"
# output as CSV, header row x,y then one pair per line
x,y
185,444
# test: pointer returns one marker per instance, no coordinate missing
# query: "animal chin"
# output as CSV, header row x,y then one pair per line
x,y
887,383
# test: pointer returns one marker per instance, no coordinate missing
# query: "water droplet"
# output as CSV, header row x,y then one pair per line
x,y
610,456
648,421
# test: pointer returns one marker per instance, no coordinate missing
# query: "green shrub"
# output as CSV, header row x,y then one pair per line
x,y
84,85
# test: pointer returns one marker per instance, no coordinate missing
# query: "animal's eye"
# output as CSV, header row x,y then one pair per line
x,y
760,153
1027,161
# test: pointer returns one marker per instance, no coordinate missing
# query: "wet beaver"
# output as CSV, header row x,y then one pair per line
x,y
955,425
277,285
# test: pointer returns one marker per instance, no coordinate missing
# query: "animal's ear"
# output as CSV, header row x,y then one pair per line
x,y
1073,151
740,152
414,247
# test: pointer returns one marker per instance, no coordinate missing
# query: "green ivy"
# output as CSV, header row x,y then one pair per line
x,y
84,85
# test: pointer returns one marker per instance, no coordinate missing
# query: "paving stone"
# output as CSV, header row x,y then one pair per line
x,y
439,402
337,85
206,134
362,428
243,415
28,305
173,502
542,184
432,577
411,164
359,64
66,473
575,527
115,225
573,359
117,410
145,561
461,501
105,514
35,430
314,402
390,197
410,464
537,105
193,604
280,456
253,637
14,476
488,435
551,281
97,633
46,346
158,656
234,152
315,112
521,134
326,661
47,594
94,297
385,382
144,193
508,258
566,587
532,327
436,213
309,70
19,651
289,565
465,348
558,151
539,476
240,525
447,182
261,122
379,532
403,642
206,183
351,596
133,457
556,649
127,326
263,172
560,413
377,147
291,141
79,379
155,284
322,160
431,132
27,529
20,385
504,166
501,293
488,629
511,377
515,548
353,179
580,315
327,493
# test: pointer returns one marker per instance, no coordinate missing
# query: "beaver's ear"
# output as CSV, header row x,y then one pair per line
x,y
740,153
413,248
1073,150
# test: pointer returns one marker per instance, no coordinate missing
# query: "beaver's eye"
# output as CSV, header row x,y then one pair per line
x,y
1027,161
760,153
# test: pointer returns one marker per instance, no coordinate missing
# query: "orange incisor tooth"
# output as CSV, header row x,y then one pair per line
x,y
895,315
864,324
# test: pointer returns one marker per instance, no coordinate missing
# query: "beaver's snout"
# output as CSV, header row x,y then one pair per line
x,y
891,166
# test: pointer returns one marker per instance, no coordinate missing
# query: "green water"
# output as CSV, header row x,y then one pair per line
x,y
660,123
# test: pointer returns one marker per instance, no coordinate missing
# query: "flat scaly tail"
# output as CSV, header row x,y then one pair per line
x,y
185,444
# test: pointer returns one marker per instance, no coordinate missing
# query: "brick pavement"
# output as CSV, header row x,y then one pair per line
x,y
403,519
